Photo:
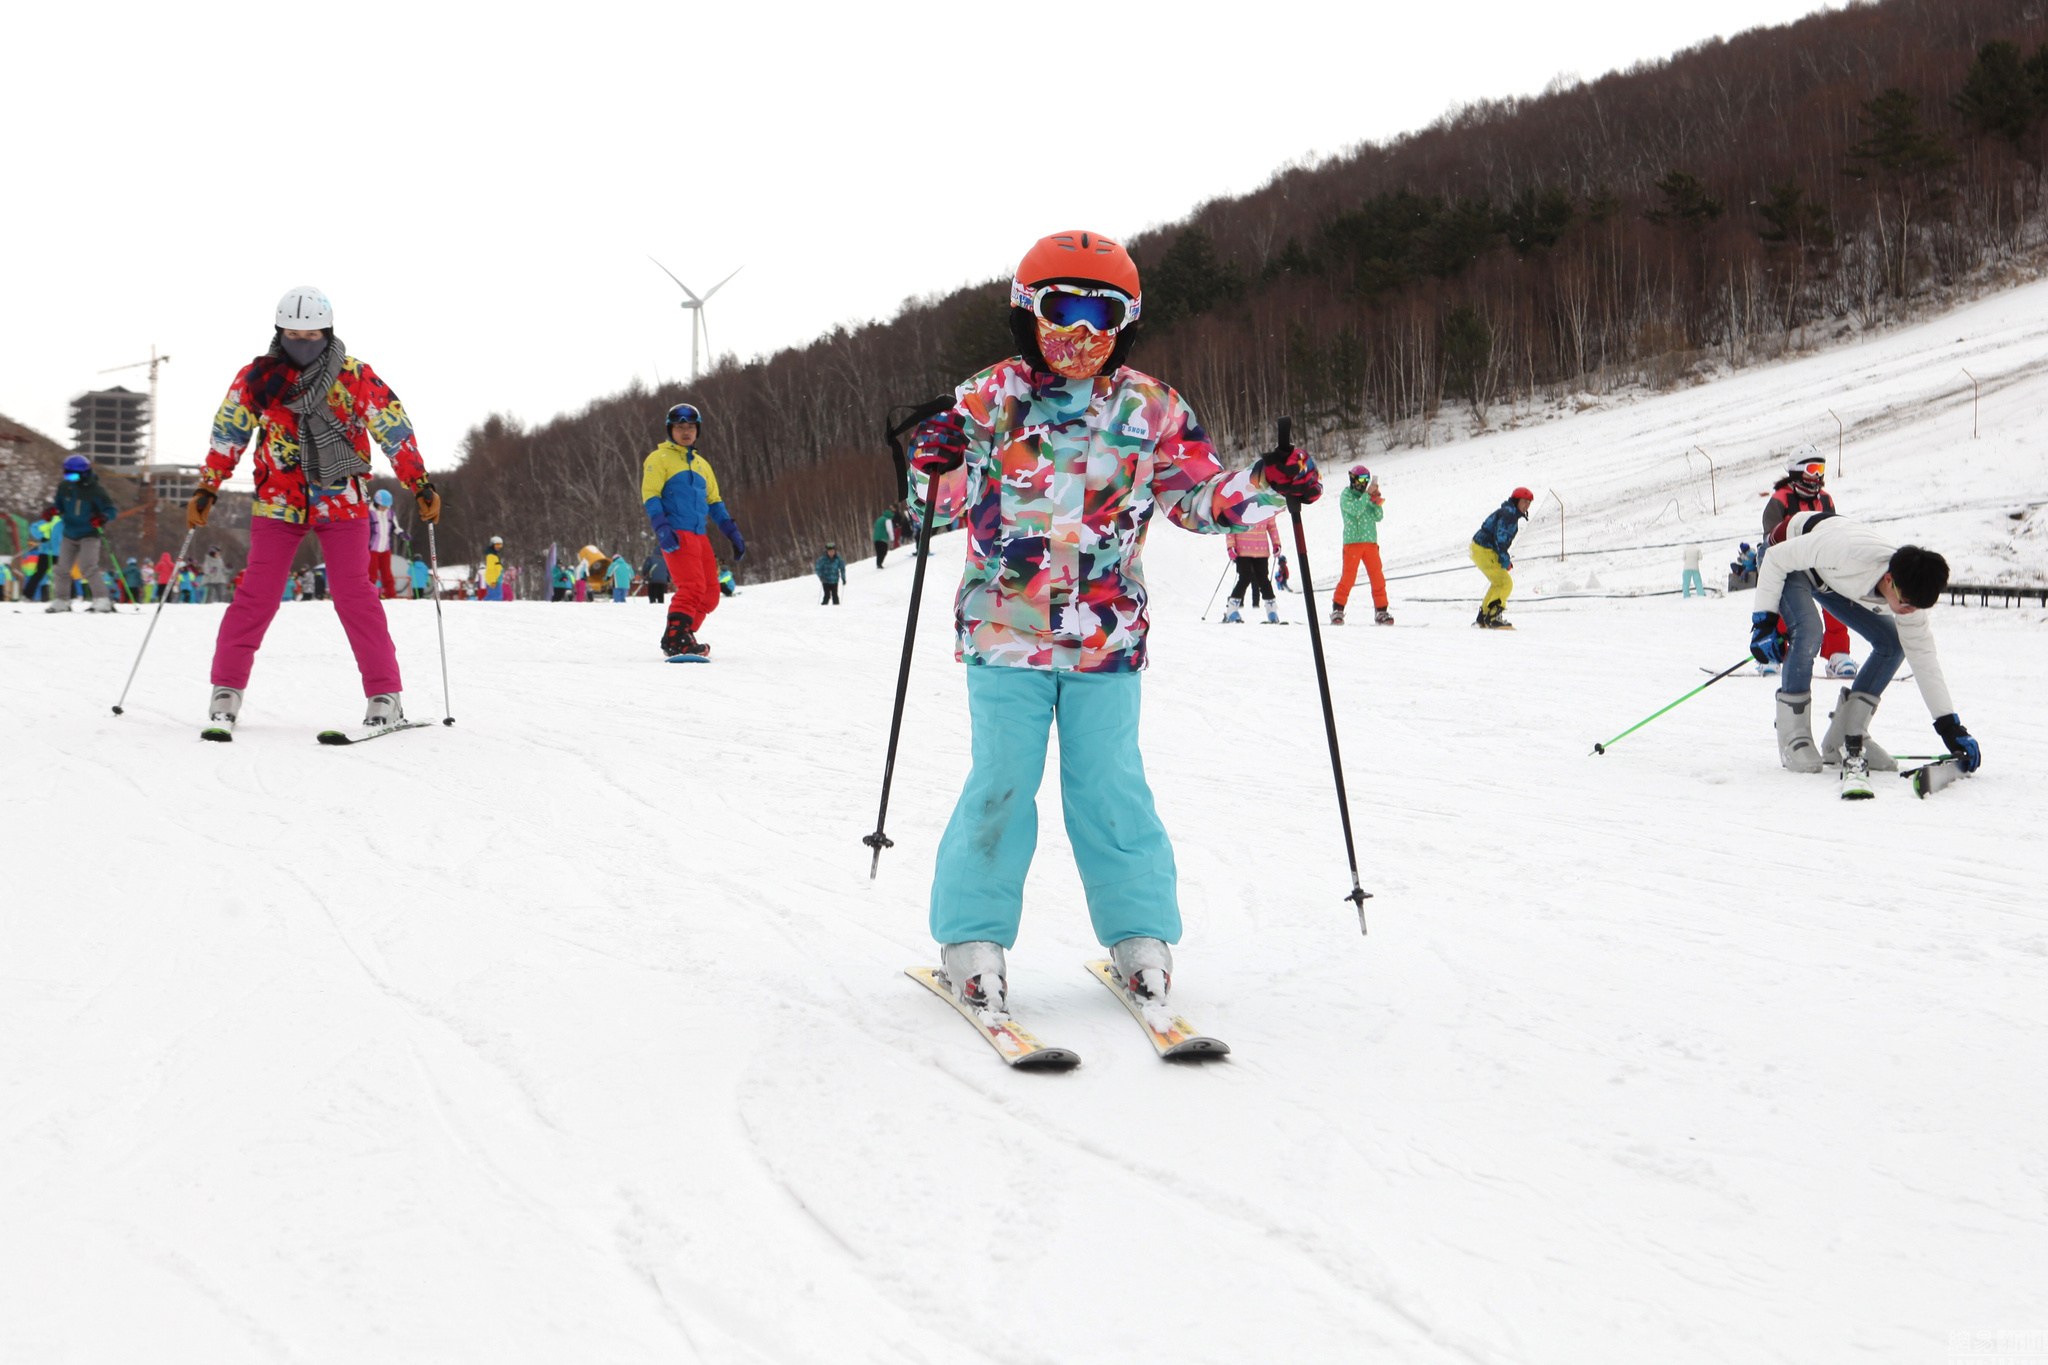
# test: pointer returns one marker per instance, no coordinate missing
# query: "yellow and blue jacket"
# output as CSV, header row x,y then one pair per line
x,y
681,493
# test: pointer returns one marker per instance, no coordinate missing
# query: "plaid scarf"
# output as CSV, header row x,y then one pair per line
x,y
326,454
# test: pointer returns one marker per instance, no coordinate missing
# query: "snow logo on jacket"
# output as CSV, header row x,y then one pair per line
x,y
1060,479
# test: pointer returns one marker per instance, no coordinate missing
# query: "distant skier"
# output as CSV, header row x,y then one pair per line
x,y
1051,615
131,578
1490,556
82,507
655,570
1690,580
1803,489
383,525
213,576
831,571
621,578
885,533
680,493
312,410
494,570
1251,550
1363,506
421,577
562,581
1281,578
1881,591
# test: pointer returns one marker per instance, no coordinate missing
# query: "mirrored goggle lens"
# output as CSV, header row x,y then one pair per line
x,y
1816,470
683,412
1103,312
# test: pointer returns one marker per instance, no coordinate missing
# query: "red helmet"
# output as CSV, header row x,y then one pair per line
x,y
1087,256
1521,493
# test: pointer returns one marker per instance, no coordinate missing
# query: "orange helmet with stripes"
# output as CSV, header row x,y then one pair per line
x,y
1087,256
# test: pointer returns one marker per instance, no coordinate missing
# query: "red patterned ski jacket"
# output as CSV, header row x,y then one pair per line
x,y
363,404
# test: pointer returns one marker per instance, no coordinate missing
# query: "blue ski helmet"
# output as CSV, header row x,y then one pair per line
x,y
76,467
383,497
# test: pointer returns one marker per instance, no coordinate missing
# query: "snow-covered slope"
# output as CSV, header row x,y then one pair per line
x,y
577,1032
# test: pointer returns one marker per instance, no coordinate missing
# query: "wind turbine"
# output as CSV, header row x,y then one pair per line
x,y
694,306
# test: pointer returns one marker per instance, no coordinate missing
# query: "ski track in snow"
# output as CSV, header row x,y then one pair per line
x,y
577,1031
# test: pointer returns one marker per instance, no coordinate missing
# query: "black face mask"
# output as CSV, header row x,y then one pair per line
x,y
302,353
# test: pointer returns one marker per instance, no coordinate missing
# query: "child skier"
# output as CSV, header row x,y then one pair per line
x,y
83,506
681,496
312,409
1883,592
831,571
1251,550
1363,506
1059,456
381,528
1490,556
1804,489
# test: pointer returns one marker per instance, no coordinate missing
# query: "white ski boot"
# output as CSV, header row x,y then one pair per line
x,y
61,604
1336,616
1851,721
1795,732
1841,666
103,605
1855,772
383,709
1233,611
221,713
1382,617
975,971
1272,614
1144,965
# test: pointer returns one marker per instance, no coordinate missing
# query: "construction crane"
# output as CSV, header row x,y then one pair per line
x,y
155,362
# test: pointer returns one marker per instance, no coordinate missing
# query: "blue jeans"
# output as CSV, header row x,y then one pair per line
x,y
1796,605
1125,858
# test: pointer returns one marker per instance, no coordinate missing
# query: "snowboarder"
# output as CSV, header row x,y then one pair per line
x,y
1690,579
831,571
82,506
1060,455
382,524
1490,556
1803,489
680,493
1881,591
1251,550
1363,506
312,410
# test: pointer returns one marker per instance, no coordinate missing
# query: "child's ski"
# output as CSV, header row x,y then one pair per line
x,y
1171,1035
1012,1041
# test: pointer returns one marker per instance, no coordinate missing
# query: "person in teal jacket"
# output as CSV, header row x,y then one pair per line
x,y
831,571
84,507
46,533
420,579
884,529
622,578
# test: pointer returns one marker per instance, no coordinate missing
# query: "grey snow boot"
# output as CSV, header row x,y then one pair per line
x,y
1144,965
61,604
1795,732
1852,717
384,709
975,971
222,710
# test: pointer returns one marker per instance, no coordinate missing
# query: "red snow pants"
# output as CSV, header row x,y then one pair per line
x,y
380,573
695,570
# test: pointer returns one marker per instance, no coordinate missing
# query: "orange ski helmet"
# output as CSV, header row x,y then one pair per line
x,y
1082,257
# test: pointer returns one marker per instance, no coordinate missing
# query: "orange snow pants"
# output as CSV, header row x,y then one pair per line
x,y
694,567
1368,554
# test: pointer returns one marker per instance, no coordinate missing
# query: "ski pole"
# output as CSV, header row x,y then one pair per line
x,y
1602,748
434,580
1228,565
879,840
161,598
1358,895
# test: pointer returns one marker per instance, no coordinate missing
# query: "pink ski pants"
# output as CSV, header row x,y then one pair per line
x,y
346,547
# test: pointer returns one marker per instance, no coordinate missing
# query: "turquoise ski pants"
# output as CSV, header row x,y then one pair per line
x,y
1121,848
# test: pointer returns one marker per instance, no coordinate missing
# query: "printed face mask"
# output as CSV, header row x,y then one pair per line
x,y
1074,352
303,353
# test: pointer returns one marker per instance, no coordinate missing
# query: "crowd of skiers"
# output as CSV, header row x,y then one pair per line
x,y
1053,461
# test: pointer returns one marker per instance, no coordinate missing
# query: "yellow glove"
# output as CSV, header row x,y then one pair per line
x,y
201,506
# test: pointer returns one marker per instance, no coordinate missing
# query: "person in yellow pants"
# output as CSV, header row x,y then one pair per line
x,y
1490,556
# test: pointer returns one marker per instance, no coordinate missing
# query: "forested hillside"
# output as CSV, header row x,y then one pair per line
x,y
1773,191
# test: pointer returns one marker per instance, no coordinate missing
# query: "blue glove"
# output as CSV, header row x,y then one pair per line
x,y
1766,646
739,543
1506,565
666,539
1950,728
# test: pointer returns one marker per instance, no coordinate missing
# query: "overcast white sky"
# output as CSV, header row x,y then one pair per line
x,y
479,189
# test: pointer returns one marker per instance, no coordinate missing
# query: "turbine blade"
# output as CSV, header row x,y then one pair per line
x,y
721,284
679,284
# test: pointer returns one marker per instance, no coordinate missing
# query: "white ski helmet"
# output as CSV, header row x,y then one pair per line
x,y
1801,457
305,309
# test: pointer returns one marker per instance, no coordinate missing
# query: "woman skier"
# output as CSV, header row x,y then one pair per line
x,y
1057,459
312,410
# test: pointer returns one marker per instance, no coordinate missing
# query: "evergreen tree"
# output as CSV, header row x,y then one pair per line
x,y
1997,96
1468,346
1791,219
1895,145
1189,280
1686,202
1533,220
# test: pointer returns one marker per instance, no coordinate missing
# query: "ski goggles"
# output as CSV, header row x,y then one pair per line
x,y
1072,305
685,412
1816,470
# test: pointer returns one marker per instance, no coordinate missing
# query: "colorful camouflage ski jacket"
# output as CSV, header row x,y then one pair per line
x,y
1060,480
361,402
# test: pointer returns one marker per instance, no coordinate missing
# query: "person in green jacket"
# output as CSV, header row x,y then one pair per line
x,y
1363,506
883,531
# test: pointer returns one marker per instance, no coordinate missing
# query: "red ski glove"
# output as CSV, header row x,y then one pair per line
x,y
941,444
1292,474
